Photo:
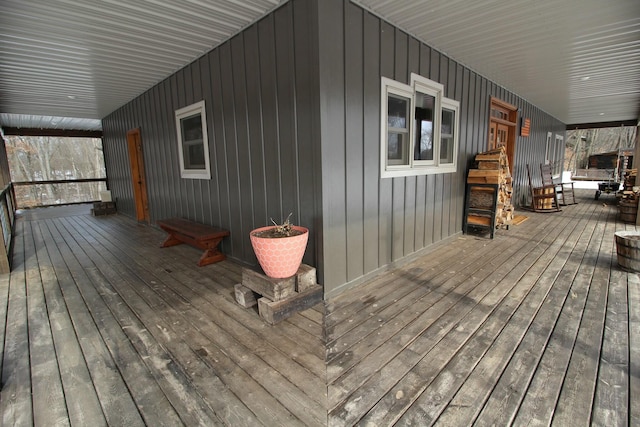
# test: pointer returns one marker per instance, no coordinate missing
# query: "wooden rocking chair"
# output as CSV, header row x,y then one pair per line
x,y
543,197
564,190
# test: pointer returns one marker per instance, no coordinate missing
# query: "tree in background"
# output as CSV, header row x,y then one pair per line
x,y
582,143
49,158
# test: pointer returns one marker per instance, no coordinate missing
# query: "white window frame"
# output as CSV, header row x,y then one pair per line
x,y
435,89
417,167
548,152
452,105
558,149
183,113
392,87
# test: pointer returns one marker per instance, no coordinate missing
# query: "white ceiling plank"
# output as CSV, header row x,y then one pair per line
x,y
106,52
538,50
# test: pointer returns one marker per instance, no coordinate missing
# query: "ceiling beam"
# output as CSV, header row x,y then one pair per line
x,y
602,125
53,132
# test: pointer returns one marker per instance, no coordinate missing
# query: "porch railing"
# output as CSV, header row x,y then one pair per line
x,y
38,195
7,221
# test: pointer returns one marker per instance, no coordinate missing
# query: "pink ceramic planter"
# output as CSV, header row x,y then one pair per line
x,y
280,257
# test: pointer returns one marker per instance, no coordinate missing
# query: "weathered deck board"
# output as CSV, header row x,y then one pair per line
x,y
551,371
610,406
507,396
576,397
16,402
47,394
348,310
151,331
462,349
418,285
416,379
143,337
82,401
149,399
516,354
537,326
514,316
117,403
310,355
215,342
229,334
198,289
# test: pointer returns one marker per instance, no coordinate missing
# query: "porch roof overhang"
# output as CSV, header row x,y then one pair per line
x,y
578,60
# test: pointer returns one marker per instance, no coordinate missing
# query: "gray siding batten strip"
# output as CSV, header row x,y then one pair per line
x,y
332,124
354,146
386,185
371,137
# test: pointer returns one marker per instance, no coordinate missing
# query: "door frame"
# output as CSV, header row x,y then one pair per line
x,y
138,181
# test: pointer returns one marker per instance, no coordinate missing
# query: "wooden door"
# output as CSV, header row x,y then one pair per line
x,y
499,136
502,136
502,128
136,159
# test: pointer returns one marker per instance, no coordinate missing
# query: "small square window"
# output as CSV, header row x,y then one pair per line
x,y
193,146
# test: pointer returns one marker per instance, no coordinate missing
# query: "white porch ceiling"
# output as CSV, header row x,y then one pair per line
x,y
579,60
86,58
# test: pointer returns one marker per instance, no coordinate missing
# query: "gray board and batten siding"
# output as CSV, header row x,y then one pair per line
x,y
293,117
259,90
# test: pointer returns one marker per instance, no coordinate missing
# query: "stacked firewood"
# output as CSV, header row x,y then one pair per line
x,y
491,167
630,181
628,197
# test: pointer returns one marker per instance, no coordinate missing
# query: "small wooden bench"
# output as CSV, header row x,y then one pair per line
x,y
195,234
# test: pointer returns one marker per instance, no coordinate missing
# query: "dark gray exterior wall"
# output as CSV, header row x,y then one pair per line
x,y
293,111
260,89
369,222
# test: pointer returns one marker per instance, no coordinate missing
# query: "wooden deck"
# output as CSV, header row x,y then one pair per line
x,y
537,326
103,327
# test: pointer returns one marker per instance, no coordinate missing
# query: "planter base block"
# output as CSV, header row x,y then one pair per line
x,y
245,296
274,289
278,299
276,311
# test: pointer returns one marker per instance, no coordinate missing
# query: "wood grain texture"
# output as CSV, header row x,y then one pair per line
x,y
538,325
276,311
16,403
47,393
144,338
274,289
610,406
516,334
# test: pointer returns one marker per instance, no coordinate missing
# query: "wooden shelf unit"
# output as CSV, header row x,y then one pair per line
x,y
481,214
488,192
